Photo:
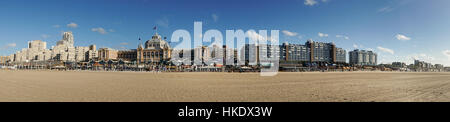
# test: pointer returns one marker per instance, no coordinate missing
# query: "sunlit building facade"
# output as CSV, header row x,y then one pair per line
x,y
362,58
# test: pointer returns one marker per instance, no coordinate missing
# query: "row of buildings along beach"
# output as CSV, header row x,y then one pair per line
x,y
157,54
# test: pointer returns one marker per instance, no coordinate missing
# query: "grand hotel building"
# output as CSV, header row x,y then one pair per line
x,y
155,51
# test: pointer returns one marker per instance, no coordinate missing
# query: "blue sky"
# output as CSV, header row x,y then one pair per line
x,y
398,30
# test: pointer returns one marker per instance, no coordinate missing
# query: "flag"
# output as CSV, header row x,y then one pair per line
x,y
139,38
154,28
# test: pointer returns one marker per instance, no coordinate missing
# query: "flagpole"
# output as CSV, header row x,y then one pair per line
x,y
139,37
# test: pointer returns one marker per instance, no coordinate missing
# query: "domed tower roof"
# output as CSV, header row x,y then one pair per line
x,y
156,42
156,36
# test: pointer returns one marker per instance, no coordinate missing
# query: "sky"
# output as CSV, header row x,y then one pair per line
x,y
398,30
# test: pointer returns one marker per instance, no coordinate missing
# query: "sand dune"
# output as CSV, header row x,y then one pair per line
x,y
229,87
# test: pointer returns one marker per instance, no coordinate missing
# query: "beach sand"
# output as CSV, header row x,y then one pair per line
x,y
80,86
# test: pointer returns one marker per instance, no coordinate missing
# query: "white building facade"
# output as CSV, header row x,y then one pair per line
x,y
63,51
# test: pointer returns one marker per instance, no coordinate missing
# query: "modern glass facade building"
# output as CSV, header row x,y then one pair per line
x,y
319,53
295,52
313,52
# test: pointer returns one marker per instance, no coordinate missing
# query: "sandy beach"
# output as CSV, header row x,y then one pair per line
x,y
81,86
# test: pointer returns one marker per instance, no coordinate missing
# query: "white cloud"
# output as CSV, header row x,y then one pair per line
x,y
123,43
45,36
313,2
56,26
215,17
72,25
322,34
359,46
385,9
386,50
420,56
355,46
288,33
99,30
164,22
342,36
9,46
310,2
402,37
272,39
112,30
122,48
253,35
446,53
